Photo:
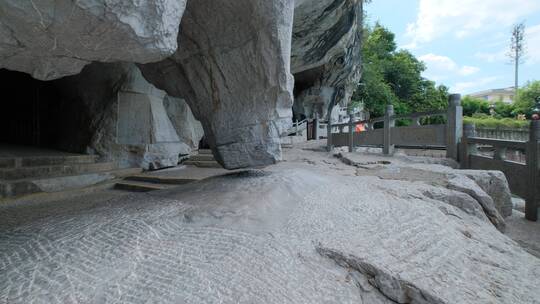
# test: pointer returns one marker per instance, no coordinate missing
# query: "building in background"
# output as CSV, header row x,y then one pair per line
x,y
506,95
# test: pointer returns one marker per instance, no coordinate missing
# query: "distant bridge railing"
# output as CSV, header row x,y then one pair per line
x,y
499,133
523,178
446,136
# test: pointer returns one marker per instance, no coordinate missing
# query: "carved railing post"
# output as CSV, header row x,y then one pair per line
x,y
469,130
389,123
351,133
533,166
454,126
500,153
316,127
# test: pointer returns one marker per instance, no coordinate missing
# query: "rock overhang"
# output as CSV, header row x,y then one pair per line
x,y
233,69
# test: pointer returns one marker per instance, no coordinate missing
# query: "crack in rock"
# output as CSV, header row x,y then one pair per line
x,y
394,288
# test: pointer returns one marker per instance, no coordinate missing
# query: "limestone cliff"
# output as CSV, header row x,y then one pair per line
x,y
52,39
229,60
233,69
325,53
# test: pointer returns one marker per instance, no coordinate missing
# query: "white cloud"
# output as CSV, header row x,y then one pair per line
x,y
468,70
461,18
475,85
442,67
492,57
532,43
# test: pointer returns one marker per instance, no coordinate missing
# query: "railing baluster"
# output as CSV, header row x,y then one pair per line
x,y
500,153
454,126
389,123
351,133
467,149
533,166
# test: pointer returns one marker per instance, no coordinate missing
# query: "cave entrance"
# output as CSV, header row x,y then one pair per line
x,y
32,115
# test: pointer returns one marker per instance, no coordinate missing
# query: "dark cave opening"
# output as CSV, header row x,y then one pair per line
x,y
37,113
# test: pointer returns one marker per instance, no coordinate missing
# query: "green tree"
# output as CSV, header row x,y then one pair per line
x,y
473,106
526,98
392,76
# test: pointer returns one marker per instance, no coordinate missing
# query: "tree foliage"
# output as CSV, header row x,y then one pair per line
x,y
392,76
526,98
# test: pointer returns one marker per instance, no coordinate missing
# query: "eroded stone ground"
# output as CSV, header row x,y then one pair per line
x,y
308,230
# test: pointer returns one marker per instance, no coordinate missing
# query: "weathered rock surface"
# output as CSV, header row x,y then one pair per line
x,y
495,184
285,235
187,127
126,119
488,189
325,53
233,69
51,39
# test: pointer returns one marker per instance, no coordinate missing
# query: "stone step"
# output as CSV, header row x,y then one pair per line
x,y
137,186
54,171
203,164
7,163
44,197
287,146
22,187
46,160
160,179
205,151
202,157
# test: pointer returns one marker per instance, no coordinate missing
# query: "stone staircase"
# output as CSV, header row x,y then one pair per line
x,y
147,183
54,173
204,159
156,181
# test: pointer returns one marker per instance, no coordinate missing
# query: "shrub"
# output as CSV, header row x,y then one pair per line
x,y
494,123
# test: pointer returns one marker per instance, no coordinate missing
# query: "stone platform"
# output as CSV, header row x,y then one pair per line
x,y
27,170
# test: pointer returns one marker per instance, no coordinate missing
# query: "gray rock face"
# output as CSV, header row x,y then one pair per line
x,y
128,121
51,39
495,184
325,53
233,69
239,239
188,128
476,191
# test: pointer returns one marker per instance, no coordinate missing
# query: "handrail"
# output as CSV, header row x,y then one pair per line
x,y
346,124
420,115
512,144
297,126
403,116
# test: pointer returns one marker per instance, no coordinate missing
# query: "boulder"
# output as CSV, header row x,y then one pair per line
x,y
56,38
488,188
233,69
238,239
466,185
495,184
187,127
326,54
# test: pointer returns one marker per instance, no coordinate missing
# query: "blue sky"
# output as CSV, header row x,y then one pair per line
x,y
463,42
